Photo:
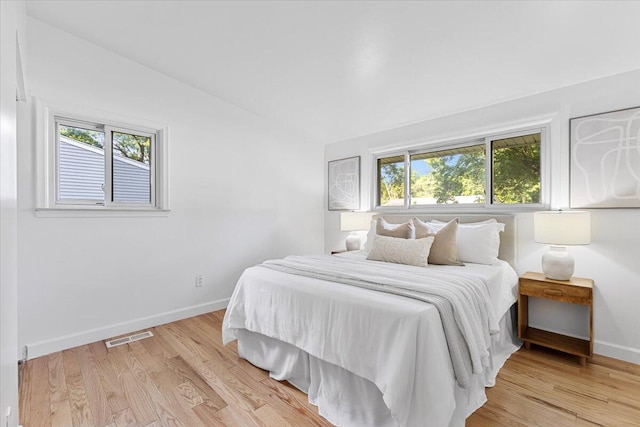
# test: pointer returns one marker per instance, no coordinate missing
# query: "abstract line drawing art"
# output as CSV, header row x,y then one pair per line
x,y
344,184
605,160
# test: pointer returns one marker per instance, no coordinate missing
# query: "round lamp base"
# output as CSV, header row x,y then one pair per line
x,y
353,242
557,263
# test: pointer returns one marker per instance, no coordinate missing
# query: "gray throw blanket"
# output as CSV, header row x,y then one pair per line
x,y
461,300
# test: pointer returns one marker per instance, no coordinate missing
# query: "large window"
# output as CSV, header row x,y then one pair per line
x,y
98,165
496,170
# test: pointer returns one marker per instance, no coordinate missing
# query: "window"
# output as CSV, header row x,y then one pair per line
x,y
516,169
94,165
495,170
104,165
448,176
391,181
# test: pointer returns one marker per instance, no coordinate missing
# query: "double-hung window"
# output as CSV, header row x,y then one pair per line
x,y
97,165
504,169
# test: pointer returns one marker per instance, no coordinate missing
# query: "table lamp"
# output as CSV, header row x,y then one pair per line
x,y
560,228
354,221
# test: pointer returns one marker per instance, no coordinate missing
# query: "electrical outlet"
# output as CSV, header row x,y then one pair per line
x,y
199,280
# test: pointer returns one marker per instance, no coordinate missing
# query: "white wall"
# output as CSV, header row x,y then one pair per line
x,y
612,258
242,190
12,16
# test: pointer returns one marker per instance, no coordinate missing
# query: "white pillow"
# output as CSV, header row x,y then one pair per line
x,y
401,251
486,221
477,242
370,236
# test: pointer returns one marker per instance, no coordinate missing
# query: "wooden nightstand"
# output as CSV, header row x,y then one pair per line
x,y
573,291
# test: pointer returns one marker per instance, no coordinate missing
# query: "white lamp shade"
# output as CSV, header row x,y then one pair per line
x,y
355,221
562,227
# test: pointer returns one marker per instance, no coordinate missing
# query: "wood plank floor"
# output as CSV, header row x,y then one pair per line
x,y
183,376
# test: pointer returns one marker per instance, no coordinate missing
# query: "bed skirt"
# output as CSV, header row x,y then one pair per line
x,y
346,399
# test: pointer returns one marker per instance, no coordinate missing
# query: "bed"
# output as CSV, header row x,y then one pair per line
x,y
368,356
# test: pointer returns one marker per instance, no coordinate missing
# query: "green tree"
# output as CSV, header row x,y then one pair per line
x,y
471,169
134,147
446,178
391,182
516,177
92,137
516,174
421,185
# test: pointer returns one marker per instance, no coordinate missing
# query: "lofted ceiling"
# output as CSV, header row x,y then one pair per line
x,y
337,69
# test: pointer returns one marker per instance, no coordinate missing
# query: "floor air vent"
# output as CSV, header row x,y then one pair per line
x,y
130,338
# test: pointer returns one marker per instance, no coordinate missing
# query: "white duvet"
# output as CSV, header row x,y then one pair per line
x,y
408,359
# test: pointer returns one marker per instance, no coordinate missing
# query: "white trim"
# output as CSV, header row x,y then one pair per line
x,y
109,166
452,138
161,170
43,133
46,158
21,85
542,125
544,130
615,351
42,348
99,212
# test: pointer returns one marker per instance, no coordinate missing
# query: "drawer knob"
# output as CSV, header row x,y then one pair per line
x,y
554,292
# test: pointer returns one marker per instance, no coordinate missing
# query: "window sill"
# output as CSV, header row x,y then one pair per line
x,y
100,213
462,209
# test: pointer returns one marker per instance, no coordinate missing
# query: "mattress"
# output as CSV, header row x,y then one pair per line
x,y
364,357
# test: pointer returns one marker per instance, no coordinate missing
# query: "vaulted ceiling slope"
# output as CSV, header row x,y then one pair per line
x,y
337,70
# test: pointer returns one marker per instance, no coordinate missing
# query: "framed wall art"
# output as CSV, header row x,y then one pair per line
x,y
605,160
344,184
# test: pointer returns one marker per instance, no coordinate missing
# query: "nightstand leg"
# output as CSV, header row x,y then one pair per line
x,y
583,361
527,345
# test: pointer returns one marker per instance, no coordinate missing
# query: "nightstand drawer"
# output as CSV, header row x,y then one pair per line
x,y
556,291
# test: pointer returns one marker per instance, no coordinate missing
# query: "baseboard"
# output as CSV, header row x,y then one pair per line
x,y
615,351
42,348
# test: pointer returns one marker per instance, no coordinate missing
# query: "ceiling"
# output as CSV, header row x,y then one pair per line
x,y
335,70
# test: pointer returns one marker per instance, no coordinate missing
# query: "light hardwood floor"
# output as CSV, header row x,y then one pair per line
x,y
183,376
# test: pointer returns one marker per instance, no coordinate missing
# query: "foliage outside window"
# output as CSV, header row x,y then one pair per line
x,y
391,181
448,176
103,165
516,169
459,175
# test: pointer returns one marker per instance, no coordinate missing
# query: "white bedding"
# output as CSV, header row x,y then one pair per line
x,y
502,280
329,327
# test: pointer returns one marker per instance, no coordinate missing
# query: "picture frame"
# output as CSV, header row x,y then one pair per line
x,y
343,186
604,167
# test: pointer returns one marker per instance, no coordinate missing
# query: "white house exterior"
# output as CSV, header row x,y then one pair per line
x,y
82,174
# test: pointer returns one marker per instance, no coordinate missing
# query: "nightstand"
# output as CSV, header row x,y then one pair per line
x,y
573,291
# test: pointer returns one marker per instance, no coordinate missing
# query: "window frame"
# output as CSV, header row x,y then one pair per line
x,y
377,178
544,201
48,203
484,138
152,168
